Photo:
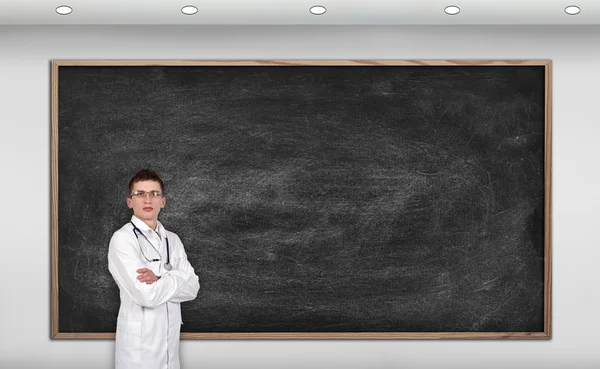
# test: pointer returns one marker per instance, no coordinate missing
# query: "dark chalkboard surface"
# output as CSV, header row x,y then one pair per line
x,y
314,199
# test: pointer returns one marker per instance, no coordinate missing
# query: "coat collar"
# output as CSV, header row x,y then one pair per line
x,y
160,229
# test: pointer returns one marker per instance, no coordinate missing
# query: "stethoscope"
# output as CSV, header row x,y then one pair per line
x,y
168,265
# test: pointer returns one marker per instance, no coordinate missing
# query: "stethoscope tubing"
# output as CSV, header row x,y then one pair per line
x,y
168,263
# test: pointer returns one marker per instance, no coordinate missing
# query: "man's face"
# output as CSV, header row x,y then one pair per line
x,y
147,207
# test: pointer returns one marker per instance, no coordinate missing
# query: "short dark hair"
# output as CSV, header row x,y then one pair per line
x,y
146,175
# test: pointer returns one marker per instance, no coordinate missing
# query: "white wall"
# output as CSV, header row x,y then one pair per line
x,y
25,54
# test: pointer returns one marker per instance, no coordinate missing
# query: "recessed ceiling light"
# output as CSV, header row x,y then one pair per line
x,y
189,10
572,10
452,10
64,10
318,10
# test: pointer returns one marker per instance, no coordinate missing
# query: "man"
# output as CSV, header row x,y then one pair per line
x,y
150,266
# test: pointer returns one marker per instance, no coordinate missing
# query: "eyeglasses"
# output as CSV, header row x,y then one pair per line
x,y
142,194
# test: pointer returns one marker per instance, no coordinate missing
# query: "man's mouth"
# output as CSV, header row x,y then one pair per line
x,y
148,208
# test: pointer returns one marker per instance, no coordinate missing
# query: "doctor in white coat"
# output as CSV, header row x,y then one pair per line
x,y
150,266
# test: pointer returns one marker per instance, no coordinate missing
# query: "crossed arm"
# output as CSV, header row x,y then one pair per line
x,y
187,293
145,288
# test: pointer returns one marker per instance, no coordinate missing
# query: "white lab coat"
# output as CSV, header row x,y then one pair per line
x,y
149,320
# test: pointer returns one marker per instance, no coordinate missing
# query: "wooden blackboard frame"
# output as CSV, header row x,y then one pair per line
x,y
547,64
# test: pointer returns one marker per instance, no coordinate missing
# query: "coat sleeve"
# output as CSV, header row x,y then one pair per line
x,y
184,269
124,261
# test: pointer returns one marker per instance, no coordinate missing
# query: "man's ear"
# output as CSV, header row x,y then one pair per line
x,y
129,203
163,202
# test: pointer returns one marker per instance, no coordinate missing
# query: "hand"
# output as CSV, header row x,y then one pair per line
x,y
146,276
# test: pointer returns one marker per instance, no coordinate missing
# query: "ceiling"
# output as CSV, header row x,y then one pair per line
x,y
296,12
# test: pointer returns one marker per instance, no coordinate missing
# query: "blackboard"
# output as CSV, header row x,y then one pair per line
x,y
315,199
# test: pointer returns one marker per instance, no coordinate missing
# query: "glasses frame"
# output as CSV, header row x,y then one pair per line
x,y
144,193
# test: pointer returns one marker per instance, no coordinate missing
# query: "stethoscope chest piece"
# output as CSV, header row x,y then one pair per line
x,y
168,266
